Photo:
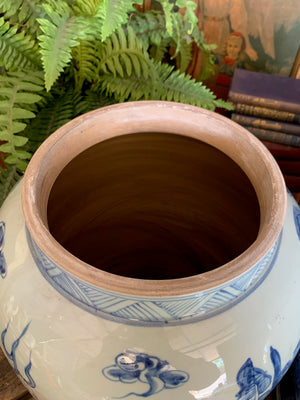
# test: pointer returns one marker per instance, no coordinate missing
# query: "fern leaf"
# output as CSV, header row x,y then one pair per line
x,y
15,96
56,112
84,59
169,84
182,88
29,11
168,10
127,89
61,32
25,11
170,14
17,51
184,56
9,8
93,100
123,55
190,17
149,27
113,14
86,8
151,30
59,110
9,176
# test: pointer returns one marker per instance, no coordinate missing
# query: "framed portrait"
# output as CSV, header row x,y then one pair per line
x,y
266,33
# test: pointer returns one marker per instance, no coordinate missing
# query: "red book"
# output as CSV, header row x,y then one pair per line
x,y
291,167
292,182
282,151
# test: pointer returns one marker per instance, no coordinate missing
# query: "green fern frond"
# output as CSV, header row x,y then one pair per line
x,y
159,53
184,56
58,111
127,89
9,8
20,10
113,14
17,50
168,9
182,88
61,32
85,61
86,8
190,17
150,27
123,55
9,176
206,51
18,91
23,13
169,85
29,11
92,100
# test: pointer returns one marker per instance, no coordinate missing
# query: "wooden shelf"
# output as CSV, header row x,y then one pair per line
x,y
11,388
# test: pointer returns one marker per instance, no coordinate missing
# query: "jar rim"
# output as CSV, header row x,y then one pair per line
x,y
155,116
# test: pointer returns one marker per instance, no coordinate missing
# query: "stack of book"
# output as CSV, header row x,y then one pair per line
x,y
269,107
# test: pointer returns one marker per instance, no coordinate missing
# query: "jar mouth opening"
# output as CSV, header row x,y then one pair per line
x,y
154,199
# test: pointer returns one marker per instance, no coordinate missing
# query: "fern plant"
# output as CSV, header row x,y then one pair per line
x,y
61,58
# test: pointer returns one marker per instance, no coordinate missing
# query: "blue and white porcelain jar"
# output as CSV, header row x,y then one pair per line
x,y
154,253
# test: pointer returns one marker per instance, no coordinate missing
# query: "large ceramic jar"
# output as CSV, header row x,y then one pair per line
x,y
155,253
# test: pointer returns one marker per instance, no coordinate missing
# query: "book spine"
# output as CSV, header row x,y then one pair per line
x,y
243,108
276,137
282,151
290,167
292,182
264,102
263,123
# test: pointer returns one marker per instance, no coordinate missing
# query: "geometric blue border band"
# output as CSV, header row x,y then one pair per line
x,y
149,311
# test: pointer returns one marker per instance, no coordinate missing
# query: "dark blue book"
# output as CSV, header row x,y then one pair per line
x,y
265,90
264,123
275,136
264,112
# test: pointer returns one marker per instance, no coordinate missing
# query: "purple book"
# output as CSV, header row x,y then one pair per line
x,y
264,123
265,90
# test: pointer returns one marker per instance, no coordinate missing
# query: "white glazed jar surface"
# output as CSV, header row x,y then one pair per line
x,y
62,352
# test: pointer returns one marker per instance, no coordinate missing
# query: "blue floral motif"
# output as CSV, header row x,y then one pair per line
x,y
157,374
3,266
255,383
11,355
252,381
296,212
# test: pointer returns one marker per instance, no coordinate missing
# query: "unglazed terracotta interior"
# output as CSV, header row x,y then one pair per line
x,y
153,206
154,199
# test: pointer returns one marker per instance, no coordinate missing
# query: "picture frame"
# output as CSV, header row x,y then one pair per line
x,y
295,71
